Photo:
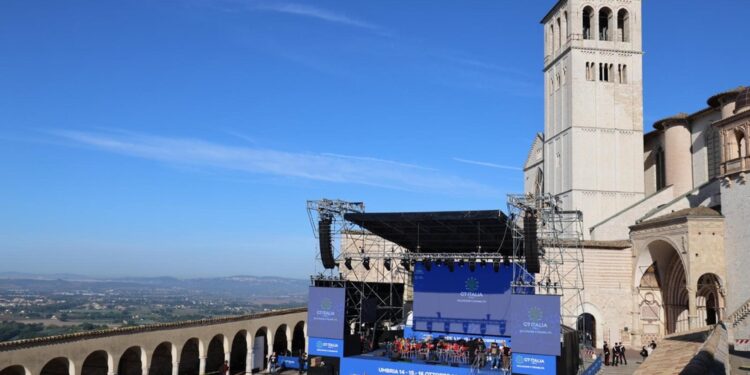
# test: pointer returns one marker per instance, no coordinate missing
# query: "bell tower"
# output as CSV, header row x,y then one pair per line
x,y
593,106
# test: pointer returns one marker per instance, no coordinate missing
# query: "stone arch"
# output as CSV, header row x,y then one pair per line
x,y
260,348
190,356
623,25
596,313
587,22
215,353
586,327
709,299
58,366
15,370
671,275
605,24
298,338
741,144
97,363
162,359
280,342
238,355
132,361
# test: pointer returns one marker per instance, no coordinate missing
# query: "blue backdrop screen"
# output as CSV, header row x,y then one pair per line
x,y
535,324
325,312
463,301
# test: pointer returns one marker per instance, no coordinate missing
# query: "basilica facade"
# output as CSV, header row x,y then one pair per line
x,y
664,237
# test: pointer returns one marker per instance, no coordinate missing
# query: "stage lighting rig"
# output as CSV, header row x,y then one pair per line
x,y
472,265
405,264
427,264
483,263
450,264
496,265
348,263
366,263
387,263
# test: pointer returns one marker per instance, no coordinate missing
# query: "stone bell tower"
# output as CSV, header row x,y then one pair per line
x,y
593,106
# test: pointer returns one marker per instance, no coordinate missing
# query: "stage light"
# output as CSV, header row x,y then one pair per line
x,y
366,263
483,263
506,260
450,264
387,263
496,265
427,264
472,265
348,263
405,264
461,262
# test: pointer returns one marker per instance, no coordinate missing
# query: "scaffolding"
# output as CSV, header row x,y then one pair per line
x,y
560,240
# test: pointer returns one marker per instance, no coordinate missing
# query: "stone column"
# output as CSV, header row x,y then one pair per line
x,y
175,368
692,310
144,370
202,366
249,360
677,157
228,357
636,330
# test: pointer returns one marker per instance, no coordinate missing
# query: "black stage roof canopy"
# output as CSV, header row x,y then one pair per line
x,y
441,232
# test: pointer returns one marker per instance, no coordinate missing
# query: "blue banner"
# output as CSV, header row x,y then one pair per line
x,y
325,347
290,362
360,366
535,324
533,364
325,312
462,301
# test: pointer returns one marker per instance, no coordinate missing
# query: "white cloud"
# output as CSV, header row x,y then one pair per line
x,y
318,13
333,168
487,164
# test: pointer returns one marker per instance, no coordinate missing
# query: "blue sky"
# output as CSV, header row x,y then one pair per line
x,y
166,137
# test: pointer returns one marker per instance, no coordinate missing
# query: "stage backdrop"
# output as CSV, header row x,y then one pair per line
x,y
535,324
325,313
462,301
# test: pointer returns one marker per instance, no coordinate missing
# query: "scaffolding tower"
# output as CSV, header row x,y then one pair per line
x,y
560,241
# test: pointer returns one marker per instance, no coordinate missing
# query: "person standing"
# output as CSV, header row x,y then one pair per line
x,y
623,359
494,355
506,353
302,359
224,370
616,354
644,353
605,349
272,362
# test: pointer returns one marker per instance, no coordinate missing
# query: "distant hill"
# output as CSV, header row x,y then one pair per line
x,y
239,286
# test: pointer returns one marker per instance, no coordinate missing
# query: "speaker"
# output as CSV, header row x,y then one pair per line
x,y
326,248
530,245
370,310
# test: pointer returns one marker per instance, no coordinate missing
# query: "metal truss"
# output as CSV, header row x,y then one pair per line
x,y
560,239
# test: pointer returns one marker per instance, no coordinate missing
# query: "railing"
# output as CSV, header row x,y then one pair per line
x,y
740,314
59,339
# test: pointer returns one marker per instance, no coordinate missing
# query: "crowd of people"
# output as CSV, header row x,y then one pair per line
x,y
472,352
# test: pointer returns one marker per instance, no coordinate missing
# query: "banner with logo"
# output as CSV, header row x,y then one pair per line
x,y
325,312
462,301
535,324
325,347
534,364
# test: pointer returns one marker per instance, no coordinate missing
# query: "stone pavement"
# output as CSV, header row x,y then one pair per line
x,y
634,360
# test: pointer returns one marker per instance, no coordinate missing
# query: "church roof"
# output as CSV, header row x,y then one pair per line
x,y
693,212
538,142
715,100
743,99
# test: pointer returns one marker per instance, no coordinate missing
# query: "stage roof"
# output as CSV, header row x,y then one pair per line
x,y
441,232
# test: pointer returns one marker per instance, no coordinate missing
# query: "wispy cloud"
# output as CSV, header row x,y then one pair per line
x,y
332,168
321,14
487,164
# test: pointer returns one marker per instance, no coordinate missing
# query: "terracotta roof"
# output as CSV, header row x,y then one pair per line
x,y
663,123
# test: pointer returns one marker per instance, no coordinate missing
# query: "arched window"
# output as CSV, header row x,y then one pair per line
x,y
588,22
741,144
605,16
592,71
554,37
566,25
714,149
623,26
611,75
624,74
588,72
559,33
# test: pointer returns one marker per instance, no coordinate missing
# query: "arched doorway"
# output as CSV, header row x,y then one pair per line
x,y
298,338
215,354
57,366
190,357
260,348
662,284
280,343
586,326
161,360
131,362
238,356
710,300
14,370
97,363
